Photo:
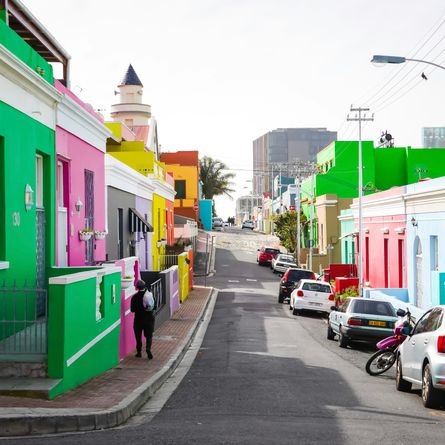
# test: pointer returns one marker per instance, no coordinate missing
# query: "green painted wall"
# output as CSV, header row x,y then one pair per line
x,y
14,43
72,325
21,138
347,243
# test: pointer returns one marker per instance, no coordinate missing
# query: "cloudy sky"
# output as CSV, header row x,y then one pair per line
x,y
220,73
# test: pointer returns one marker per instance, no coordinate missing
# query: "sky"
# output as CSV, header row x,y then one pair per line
x,y
220,73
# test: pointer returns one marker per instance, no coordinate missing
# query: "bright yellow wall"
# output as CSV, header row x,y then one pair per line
x,y
183,272
190,174
158,221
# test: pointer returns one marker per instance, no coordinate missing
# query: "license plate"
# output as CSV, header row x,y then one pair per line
x,y
377,323
314,304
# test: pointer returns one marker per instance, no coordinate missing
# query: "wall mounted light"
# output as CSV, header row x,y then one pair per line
x,y
29,197
414,222
78,205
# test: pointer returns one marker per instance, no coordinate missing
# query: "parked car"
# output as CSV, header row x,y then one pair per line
x,y
421,358
265,255
361,319
282,262
287,283
311,295
217,223
248,225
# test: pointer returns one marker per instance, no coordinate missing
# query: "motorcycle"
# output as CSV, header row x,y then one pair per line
x,y
385,357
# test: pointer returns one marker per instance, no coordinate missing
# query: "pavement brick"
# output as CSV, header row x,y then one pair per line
x,y
110,388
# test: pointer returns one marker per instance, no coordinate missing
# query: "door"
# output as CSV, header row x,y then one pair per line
x,y
419,286
120,233
40,238
89,215
62,217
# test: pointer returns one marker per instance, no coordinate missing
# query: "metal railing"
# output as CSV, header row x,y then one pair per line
x,y
23,321
167,261
156,289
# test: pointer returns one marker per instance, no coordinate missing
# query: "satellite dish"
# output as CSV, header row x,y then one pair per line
x,y
388,137
116,92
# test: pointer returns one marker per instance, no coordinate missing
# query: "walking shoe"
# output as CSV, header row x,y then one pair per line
x,y
138,354
149,355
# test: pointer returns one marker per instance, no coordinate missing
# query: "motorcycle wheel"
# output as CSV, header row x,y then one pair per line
x,y
380,362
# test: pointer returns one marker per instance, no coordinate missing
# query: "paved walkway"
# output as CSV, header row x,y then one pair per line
x,y
121,390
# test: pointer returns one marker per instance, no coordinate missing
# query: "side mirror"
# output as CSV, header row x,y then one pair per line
x,y
333,308
400,313
258,250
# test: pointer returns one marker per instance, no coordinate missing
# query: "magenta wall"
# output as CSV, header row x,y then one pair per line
x,y
79,155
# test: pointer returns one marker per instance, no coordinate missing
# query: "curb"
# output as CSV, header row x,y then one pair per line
x,y
24,422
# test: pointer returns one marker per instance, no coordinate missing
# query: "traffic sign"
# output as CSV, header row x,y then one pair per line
x,y
195,207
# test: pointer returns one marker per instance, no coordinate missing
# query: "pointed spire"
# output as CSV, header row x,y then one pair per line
x,y
130,78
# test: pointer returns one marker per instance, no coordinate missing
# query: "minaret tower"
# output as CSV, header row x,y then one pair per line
x,y
130,109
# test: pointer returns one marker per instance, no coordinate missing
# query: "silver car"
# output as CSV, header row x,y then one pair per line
x,y
282,262
421,358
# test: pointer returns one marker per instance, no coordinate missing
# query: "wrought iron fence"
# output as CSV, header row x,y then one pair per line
x,y
156,289
23,321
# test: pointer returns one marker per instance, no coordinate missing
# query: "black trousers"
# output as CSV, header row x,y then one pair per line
x,y
147,326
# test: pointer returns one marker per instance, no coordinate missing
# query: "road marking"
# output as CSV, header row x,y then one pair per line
x,y
250,279
233,281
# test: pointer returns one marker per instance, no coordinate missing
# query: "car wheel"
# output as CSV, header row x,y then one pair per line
x,y
274,271
280,299
342,339
401,384
296,312
431,397
330,334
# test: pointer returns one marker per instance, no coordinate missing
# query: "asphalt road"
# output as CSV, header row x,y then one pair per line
x,y
263,376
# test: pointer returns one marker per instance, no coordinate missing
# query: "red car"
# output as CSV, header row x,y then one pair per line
x,y
265,255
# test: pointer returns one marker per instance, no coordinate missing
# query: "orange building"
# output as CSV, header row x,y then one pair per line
x,y
184,166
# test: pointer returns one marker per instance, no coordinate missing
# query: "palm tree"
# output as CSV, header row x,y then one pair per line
x,y
214,181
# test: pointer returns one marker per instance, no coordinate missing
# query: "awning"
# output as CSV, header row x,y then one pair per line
x,y
349,234
138,223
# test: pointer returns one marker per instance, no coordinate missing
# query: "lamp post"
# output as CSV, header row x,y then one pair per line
x,y
397,60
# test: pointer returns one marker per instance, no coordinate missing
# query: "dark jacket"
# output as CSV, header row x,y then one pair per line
x,y
140,314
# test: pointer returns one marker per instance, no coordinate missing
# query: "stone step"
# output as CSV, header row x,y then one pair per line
x,y
11,367
27,387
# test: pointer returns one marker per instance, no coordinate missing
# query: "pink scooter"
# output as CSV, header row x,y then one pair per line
x,y
385,357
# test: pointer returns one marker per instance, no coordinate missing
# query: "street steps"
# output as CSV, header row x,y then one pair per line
x,y
38,388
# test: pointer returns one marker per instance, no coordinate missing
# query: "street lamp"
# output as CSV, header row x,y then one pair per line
x,y
398,60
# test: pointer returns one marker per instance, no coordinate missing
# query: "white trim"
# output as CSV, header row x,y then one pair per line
x,y
348,234
123,177
93,342
26,91
163,189
389,206
81,276
384,230
127,312
326,202
75,119
400,230
4,265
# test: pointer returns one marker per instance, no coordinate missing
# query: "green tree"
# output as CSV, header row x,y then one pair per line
x,y
286,228
215,181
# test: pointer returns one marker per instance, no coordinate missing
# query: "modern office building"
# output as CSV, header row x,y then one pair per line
x,y
285,145
433,137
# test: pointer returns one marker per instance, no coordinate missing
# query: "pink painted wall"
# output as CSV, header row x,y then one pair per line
x,y
80,156
384,254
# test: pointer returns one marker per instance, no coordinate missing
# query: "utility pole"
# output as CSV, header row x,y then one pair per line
x,y
360,117
297,209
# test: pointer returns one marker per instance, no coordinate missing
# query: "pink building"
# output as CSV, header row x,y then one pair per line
x,y
384,224
80,182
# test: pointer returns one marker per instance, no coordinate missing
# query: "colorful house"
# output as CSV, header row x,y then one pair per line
x,y
80,182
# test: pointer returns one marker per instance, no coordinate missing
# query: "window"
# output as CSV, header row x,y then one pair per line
x,y
386,262
60,190
39,181
401,262
367,258
372,307
180,189
434,249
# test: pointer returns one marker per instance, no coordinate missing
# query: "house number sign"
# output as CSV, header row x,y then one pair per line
x,y
16,219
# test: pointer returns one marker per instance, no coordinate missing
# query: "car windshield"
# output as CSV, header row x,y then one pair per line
x,y
372,307
317,287
272,251
286,258
297,275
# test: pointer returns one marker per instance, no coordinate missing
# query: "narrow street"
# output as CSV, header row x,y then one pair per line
x,y
263,376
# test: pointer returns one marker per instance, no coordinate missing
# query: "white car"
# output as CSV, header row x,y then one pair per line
x,y
311,295
421,358
217,223
248,225
282,262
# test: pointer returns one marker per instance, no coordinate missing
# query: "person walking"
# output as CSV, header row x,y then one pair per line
x,y
143,306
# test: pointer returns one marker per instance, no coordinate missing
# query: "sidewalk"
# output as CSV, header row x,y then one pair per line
x,y
110,399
